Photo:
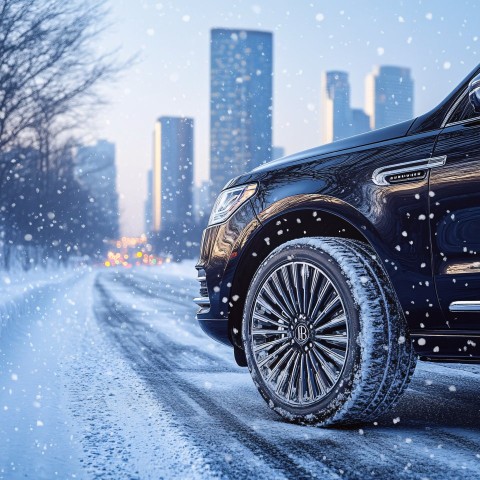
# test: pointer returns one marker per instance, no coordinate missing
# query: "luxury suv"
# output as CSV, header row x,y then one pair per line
x,y
332,270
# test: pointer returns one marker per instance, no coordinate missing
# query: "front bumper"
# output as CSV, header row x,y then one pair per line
x,y
220,251
216,328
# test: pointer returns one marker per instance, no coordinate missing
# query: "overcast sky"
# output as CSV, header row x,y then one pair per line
x,y
437,39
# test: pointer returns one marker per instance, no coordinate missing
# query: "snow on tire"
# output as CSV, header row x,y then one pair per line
x,y
324,336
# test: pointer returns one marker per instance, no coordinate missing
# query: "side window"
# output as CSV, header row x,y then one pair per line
x,y
463,111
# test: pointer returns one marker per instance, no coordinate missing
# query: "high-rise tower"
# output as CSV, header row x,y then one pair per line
x,y
337,116
389,96
172,173
240,103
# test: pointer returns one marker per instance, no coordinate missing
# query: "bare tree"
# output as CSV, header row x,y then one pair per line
x,y
49,66
50,72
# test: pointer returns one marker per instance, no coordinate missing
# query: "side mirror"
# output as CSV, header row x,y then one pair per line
x,y
474,93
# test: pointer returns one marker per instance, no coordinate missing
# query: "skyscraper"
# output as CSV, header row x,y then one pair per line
x,y
388,96
95,169
172,174
240,103
337,116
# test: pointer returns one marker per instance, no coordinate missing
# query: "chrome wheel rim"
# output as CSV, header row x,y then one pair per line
x,y
299,333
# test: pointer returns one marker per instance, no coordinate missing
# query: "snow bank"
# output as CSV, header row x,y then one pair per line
x,y
21,292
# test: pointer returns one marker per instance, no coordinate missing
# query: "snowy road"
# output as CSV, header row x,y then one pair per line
x,y
105,374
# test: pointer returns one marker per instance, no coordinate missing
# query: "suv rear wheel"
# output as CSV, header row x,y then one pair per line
x,y
324,336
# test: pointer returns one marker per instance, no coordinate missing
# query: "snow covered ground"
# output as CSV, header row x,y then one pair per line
x,y
105,374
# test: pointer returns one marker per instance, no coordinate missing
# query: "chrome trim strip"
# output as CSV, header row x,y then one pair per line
x,y
379,175
461,267
465,306
202,301
416,335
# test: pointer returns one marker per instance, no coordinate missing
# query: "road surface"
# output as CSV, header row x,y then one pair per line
x,y
105,374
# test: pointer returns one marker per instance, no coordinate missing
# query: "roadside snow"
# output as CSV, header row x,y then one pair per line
x,y
23,292
71,405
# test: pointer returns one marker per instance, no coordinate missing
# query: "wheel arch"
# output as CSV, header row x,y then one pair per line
x,y
279,225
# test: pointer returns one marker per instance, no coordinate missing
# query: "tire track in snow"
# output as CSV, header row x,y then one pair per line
x,y
191,360
139,284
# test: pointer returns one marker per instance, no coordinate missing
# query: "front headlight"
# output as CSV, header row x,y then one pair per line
x,y
229,201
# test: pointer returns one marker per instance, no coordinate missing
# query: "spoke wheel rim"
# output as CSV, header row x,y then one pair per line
x,y
299,333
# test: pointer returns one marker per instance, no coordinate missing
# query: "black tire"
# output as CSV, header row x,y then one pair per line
x,y
358,357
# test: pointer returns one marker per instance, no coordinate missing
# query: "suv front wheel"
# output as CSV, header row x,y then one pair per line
x,y
324,336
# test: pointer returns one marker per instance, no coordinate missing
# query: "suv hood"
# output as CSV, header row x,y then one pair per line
x,y
387,133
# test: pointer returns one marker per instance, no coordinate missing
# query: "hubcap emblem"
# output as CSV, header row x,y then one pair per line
x,y
301,334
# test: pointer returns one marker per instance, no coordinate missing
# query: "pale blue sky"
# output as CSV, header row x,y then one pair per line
x,y
437,39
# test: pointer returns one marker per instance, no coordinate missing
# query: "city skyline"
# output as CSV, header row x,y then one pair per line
x,y
172,76
388,100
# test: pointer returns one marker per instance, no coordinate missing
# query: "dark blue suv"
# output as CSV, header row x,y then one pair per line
x,y
331,270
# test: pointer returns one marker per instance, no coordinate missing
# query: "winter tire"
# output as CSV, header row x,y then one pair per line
x,y
324,336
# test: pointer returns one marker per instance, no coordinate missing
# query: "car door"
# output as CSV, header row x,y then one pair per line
x,y
454,195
